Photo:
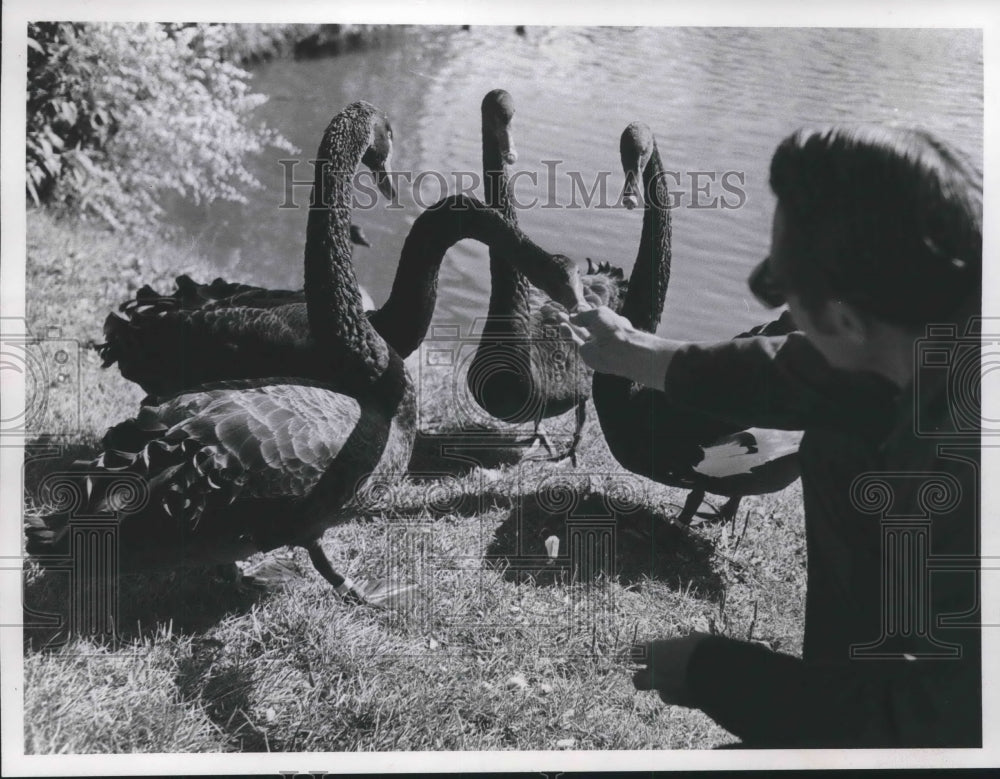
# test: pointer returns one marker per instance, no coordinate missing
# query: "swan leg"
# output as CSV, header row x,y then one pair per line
x,y
581,418
728,511
694,500
725,514
539,437
542,436
345,587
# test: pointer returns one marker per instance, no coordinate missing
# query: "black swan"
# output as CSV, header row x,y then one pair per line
x,y
244,466
248,465
523,369
234,331
645,434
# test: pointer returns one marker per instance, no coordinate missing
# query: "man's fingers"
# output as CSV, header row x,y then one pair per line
x,y
575,334
586,318
641,654
578,334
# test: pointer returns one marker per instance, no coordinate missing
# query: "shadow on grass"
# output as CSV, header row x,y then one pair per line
x,y
433,495
596,539
189,600
44,456
456,452
209,678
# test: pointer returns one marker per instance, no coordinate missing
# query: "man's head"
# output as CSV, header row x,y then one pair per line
x,y
877,233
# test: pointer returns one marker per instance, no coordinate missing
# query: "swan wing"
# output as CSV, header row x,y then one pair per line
x,y
272,441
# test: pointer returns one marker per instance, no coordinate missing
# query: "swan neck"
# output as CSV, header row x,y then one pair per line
x,y
333,301
496,184
509,290
406,315
647,288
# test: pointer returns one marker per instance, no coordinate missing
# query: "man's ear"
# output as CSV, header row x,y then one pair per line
x,y
846,321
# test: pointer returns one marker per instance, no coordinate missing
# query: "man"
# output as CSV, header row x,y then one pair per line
x,y
877,236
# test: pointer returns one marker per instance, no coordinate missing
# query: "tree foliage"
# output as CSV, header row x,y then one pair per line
x,y
118,115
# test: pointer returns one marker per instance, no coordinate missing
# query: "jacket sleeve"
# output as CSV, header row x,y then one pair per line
x,y
779,382
768,699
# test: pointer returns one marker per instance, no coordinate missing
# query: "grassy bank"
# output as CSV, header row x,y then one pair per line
x,y
492,656
251,43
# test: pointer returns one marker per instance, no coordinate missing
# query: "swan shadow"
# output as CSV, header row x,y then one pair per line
x,y
57,609
58,605
598,539
459,451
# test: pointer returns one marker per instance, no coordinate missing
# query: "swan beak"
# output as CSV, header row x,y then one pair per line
x,y
552,548
507,150
383,180
632,194
358,236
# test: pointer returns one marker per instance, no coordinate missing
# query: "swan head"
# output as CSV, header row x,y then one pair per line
x,y
604,285
498,112
379,152
563,282
636,148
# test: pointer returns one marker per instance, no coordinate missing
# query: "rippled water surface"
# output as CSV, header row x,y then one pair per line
x,y
718,99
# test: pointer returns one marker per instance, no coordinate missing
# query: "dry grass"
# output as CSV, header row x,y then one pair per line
x,y
499,652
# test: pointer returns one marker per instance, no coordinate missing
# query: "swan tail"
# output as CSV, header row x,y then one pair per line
x,y
190,295
141,348
166,349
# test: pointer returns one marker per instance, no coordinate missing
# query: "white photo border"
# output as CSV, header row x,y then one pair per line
x,y
871,13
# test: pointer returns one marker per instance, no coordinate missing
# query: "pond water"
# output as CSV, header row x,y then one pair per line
x,y
718,99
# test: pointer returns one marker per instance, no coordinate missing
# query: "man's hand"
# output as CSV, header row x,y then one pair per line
x,y
610,344
666,662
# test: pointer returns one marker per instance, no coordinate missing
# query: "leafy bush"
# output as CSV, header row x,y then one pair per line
x,y
121,114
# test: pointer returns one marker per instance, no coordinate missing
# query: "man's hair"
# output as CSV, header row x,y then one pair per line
x,y
888,219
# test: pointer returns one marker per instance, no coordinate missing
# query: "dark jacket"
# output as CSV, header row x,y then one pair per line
x,y
891,655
